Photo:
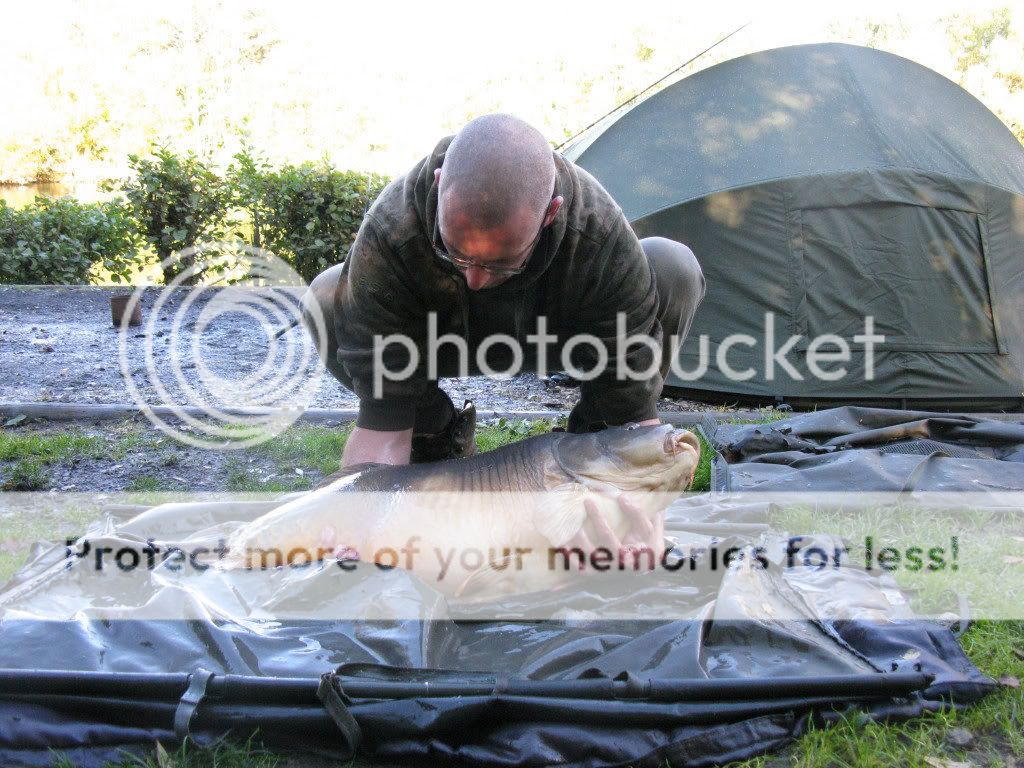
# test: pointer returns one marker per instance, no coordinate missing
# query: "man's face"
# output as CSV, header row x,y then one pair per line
x,y
507,246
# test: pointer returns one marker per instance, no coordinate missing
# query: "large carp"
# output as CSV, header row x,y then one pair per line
x,y
457,524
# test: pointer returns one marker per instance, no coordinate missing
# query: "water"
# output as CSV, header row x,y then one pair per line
x,y
20,195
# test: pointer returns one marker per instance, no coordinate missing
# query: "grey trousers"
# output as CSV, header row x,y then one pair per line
x,y
681,288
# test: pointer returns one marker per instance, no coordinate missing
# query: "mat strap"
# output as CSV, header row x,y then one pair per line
x,y
187,706
337,702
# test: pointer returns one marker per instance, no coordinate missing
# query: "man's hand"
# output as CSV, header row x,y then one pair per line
x,y
645,535
373,446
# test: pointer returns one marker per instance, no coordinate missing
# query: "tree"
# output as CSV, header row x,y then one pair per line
x,y
971,38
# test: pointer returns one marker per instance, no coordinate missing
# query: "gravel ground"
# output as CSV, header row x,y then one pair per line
x,y
57,344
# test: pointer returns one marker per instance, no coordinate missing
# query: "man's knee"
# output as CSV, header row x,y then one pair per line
x,y
675,267
321,291
318,302
318,314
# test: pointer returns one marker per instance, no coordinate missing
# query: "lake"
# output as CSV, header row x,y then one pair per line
x,y
20,195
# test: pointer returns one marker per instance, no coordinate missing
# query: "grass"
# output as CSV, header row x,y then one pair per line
x,y
49,448
702,475
505,431
307,447
26,475
996,723
313,450
299,455
48,519
247,755
764,416
244,478
990,549
32,454
146,484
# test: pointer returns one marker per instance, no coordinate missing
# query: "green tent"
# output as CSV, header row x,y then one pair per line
x,y
819,185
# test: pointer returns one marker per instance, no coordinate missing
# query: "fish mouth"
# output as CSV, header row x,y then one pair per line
x,y
681,441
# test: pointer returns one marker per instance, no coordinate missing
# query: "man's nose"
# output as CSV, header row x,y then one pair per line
x,y
476,278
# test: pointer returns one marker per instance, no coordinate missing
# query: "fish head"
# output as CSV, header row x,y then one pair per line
x,y
658,457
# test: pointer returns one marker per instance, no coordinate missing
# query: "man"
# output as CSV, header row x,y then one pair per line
x,y
494,233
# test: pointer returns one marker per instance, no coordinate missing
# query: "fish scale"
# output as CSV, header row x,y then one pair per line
x,y
529,494
517,469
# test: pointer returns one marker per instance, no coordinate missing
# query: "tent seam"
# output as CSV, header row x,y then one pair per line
x,y
774,179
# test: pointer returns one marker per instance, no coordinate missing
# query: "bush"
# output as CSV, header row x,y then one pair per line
x,y
307,214
179,203
58,241
247,180
312,212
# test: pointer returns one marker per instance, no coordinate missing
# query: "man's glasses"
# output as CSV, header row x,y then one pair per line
x,y
495,268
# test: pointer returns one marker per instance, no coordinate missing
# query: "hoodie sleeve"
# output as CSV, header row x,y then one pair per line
x,y
379,301
619,291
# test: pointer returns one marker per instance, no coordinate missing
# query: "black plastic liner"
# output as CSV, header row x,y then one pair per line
x,y
869,449
338,687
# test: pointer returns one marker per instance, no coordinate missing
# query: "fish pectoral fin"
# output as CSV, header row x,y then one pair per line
x,y
562,519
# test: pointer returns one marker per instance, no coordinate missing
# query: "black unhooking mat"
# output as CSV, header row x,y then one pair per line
x,y
87,673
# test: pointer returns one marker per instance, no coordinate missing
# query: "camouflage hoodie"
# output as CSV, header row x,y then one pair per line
x,y
587,267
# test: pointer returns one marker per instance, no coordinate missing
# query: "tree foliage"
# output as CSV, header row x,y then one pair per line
x,y
179,202
971,39
307,214
247,180
60,241
973,42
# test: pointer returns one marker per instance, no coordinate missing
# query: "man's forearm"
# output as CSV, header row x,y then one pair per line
x,y
370,445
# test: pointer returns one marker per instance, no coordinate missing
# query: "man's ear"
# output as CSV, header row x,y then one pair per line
x,y
437,175
553,207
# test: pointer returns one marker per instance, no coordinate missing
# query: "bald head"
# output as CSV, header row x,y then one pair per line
x,y
497,168
494,197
